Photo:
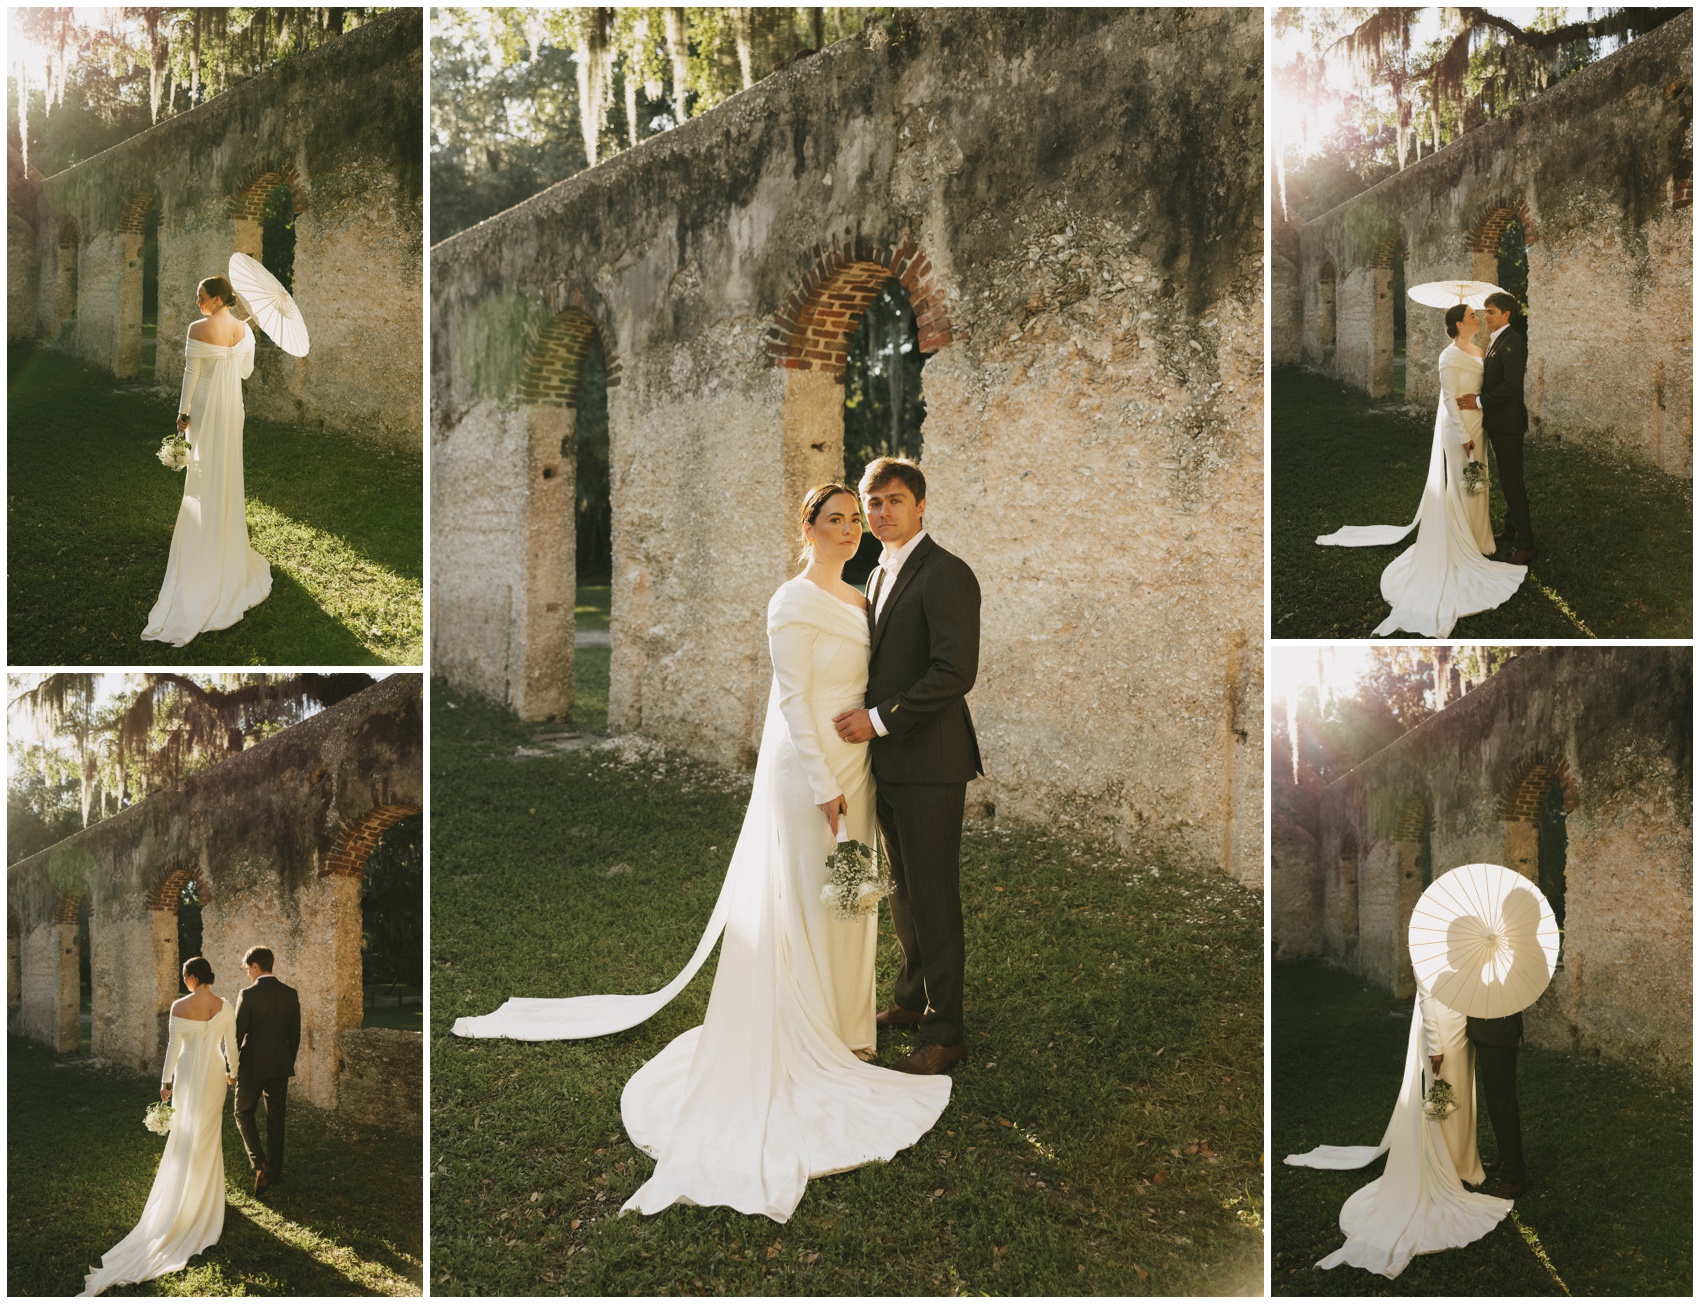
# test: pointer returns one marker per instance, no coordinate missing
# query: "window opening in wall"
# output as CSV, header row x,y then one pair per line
x,y
68,253
14,961
277,236
594,547
392,957
150,295
1513,256
883,407
85,981
1552,842
1325,304
1399,325
189,905
1425,852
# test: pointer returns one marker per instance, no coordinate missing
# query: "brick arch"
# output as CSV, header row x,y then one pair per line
x,y
1409,818
554,357
1489,223
249,201
1391,248
164,894
1520,798
70,905
135,217
1327,274
812,330
355,839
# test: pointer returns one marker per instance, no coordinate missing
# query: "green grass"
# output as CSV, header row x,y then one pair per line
x,y
1609,1150
91,511
348,1220
1616,542
1103,1138
590,664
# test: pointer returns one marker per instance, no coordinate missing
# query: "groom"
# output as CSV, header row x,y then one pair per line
x,y
924,627
268,1033
1496,1041
1504,418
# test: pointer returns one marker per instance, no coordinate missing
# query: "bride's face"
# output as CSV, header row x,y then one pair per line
x,y
1470,324
837,530
207,303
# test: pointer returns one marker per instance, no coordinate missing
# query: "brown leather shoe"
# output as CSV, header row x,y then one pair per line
x,y
897,1017
1507,1190
1522,557
931,1059
262,1184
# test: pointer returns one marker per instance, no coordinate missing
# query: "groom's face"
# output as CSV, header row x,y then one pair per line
x,y
1495,317
894,515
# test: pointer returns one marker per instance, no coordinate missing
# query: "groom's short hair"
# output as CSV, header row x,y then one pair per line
x,y
260,955
1500,299
883,470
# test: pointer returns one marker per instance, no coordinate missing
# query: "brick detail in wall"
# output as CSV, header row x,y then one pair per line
x,y
250,201
554,362
354,842
1520,800
134,221
812,329
1408,827
1682,192
166,894
70,905
1491,220
1389,249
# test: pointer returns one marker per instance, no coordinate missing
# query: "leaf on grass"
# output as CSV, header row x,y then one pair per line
x,y
576,1222
1006,1122
1143,1275
1160,1178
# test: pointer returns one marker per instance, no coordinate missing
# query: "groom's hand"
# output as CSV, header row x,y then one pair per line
x,y
854,726
1468,402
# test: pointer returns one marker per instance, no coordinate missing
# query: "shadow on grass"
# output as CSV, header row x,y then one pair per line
x,y
1616,541
91,513
1103,1138
1609,1150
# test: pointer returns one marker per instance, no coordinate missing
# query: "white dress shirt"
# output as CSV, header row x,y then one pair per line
x,y
892,564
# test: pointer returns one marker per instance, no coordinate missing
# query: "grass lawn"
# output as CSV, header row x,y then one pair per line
x,y
1610,1200
1104,1137
91,511
347,1221
1616,542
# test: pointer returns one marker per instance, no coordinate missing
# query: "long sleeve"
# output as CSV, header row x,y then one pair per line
x,y
1431,1026
951,599
1453,382
793,648
294,1028
245,355
191,378
232,1055
173,1051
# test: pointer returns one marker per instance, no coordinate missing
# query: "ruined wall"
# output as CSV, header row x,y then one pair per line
x,y
1072,199
1599,171
276,838
381,1077
342,125
1613,727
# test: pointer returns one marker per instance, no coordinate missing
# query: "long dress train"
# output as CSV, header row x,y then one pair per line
x,y
1418,1205
212,575
768,1093
184,1213
1447,572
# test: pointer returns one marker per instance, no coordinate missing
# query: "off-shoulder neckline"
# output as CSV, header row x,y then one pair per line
x,y
195,339
804,579
220,1010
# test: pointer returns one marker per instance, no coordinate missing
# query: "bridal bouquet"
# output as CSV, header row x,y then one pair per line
x,y
1475,477
174,452
158,1118
855,881
1439,1102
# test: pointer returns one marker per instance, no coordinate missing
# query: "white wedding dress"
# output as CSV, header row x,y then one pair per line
x,y
185,1209
1447,572
768,1092
212,576
1418,1205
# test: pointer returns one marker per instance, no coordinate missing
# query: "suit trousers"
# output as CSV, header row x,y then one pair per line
x,y
1497,1067
1508,453
248,1094
921,827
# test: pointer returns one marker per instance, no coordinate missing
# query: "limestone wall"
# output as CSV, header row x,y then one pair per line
x,y
276,837
343,126
1598,170
1073,200
1613,727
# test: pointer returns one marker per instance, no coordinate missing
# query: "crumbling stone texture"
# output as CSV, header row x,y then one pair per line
x,y
1598,170
1072,199
341,125
1612,727
276,838
381,1077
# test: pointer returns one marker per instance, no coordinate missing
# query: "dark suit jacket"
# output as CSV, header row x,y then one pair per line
x,y
1507,360
1495,1032
925,655
268,1029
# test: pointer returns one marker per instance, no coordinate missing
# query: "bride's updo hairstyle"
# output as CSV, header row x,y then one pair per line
x,y
216,287
1454,315
196,967
812,503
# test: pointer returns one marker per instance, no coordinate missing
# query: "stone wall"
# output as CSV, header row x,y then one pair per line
x,y
276,838
381,1077
342,126
1611,726
1598,170
1073,201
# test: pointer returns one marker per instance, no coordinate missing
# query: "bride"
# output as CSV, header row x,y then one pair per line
x,y
185,1209
1446,573
1418,1205
212,576
772,1089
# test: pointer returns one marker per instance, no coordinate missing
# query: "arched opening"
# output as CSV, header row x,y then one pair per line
x,y
593,646
150,296
84,1041
69,255
14,964
133,236
883,407
1325,329
392,928
1399,341
1387,320
175,907
1551,844
399,897
1349,886
277,234
1512,271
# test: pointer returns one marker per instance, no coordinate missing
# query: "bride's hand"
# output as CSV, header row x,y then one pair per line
x,y
229,1081
1434,1062
182,425
832,810
1469,447
165,1093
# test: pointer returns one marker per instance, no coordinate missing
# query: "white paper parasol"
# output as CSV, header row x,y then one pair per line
x,y
1448,294
269,304
1483,941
